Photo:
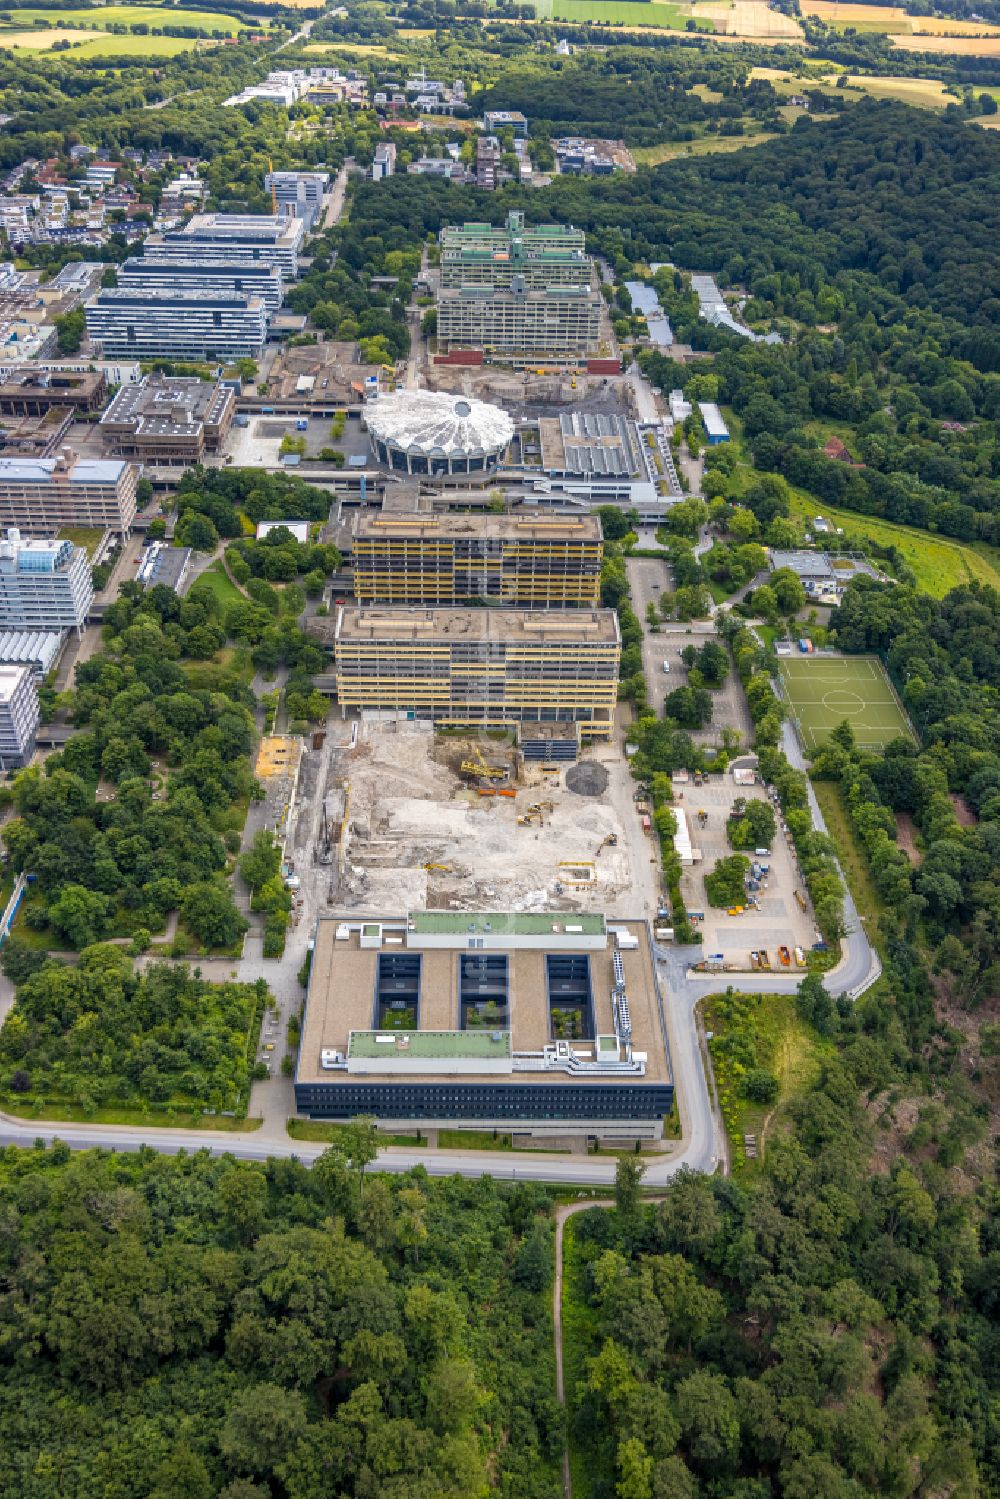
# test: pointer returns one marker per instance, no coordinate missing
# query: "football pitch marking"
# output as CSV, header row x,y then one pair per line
x,y
823,691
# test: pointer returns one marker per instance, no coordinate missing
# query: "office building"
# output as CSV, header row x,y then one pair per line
x,y
204,279
298,193
19,716
520,324
529,560
541,1023
489,163
537,255
169,420
496,120
482,668
44,585
33,392
42,494
715,427
384,163
273,239
34,436
173,325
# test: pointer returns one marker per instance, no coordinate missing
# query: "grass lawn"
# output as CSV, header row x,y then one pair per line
x,y
473,1139
825,690
937,563
183,1118
849,852
706,145
327,1134
780,1042
214,580
88,537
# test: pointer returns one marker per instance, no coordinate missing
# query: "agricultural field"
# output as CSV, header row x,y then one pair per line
x,y
825,690
955,46
99,44
747,18
104,16
651,13
891,19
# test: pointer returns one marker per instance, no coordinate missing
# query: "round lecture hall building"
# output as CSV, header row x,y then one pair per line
x,y
438,434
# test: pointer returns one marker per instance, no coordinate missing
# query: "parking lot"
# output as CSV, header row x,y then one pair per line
x,y
779,921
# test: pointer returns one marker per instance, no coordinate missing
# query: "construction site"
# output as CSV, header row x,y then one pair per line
x,y
407,817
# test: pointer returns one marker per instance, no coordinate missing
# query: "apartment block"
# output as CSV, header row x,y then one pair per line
x,y
536,562
468,259
174,325
274,239
203,279
44,585
42,494
519,323
481,668
169,420
19,716
384,163
298,193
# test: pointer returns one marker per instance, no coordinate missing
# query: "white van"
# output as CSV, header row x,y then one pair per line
x,y
666,667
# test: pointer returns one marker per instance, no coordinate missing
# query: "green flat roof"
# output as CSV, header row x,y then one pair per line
x,y
451,1044
509,923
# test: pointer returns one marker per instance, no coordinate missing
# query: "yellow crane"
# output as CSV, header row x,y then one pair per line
x,y
479,766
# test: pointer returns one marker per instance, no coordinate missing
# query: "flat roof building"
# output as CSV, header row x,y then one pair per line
x,y
533,561
174,325
19,716
300,193
536,237
484,668
274,239
44,585
204,278
46,493
541,1022
384,163
169,420
34,391
34,436
715,428
520,324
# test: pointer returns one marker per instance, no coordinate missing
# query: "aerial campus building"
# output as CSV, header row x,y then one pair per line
x,y
271,239
177,325
46,493
536,1022
533,560
19,716
298,193
520,323
434,433
543,255
485,668
168,419
206,279
44,585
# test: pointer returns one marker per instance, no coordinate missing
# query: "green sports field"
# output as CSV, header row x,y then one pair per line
x,y
825,690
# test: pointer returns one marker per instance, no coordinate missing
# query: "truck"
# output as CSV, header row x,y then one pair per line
x,y
663,933
800,900
785,957
646,824
800,958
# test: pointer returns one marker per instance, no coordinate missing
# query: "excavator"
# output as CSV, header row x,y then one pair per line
x,y
444,868
610,840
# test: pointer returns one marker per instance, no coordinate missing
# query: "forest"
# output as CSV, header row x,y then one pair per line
x,y
183,1328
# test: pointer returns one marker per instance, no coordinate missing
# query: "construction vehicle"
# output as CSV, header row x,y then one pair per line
x,y
702,816
527,818
763,959
735,911
506,791
610,840
800,958
541,806
480,766
754,958
800,900
444,868
785,957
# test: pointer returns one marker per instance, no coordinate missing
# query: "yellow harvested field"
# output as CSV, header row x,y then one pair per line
x,y
357,49
654,156
847,14
926,93
748,18
944,26
44,39
959,46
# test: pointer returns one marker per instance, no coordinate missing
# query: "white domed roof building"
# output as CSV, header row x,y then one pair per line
x,y
435,433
